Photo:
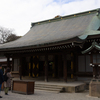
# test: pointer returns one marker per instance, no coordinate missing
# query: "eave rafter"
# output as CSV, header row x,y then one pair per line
x,y
60,47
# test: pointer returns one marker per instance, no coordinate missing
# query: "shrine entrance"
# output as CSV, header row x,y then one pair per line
x,y
55,66
36,66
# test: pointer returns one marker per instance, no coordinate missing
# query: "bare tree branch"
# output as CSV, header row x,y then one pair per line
x,y
7,35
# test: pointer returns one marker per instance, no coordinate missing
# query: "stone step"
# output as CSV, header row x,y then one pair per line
x,y
61,88
49,87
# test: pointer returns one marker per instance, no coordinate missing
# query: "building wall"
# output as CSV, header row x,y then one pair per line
x,y
84,63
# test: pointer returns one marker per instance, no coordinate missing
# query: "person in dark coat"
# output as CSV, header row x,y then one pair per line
x,y
7,84
1,78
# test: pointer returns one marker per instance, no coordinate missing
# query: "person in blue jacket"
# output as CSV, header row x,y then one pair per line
x,y
1,78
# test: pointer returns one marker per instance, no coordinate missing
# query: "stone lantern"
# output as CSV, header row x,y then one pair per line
x,y
94,51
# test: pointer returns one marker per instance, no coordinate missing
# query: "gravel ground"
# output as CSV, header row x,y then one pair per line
x,y
45,95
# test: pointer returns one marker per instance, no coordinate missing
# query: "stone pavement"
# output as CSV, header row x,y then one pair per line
x,y
45,95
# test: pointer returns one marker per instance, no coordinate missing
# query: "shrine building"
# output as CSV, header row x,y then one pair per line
x,y
65,47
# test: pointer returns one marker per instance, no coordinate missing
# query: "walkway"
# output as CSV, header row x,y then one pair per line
x,y
44,95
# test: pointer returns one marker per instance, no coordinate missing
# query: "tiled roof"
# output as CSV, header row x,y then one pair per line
x,y
56,30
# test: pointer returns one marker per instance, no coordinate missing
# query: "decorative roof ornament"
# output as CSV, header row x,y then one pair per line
x,y
57,16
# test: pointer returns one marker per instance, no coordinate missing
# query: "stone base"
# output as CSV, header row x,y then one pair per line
x,y
75,89
94,88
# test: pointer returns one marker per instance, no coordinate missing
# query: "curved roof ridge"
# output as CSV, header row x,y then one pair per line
x,y
63,17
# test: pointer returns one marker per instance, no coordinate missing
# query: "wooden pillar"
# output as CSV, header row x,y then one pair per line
x,y
59,64
72,66
58,67
76,66
12,64
46,68
53,67
8,61
30,66
65,67
20,68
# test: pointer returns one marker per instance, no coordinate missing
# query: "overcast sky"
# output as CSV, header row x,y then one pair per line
x,y
19,14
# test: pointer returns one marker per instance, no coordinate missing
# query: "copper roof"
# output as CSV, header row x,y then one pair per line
x,y
55,30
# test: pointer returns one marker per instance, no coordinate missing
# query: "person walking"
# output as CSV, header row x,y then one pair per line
x,y
7,83
1,78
